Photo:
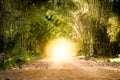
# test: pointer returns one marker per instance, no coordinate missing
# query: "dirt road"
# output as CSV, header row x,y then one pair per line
x,y
75,69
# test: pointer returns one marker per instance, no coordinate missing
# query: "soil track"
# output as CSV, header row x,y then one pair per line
x,y
75,69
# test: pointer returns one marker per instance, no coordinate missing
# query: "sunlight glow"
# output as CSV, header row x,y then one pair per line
x,y
60,50
115,60
85,8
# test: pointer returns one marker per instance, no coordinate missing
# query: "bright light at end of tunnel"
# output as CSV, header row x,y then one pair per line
x,y
60,50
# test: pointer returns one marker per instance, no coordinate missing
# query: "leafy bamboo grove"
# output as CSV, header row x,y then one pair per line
x,y
27,25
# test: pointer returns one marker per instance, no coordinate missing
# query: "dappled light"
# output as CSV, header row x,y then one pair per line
x,y
113,28
85,8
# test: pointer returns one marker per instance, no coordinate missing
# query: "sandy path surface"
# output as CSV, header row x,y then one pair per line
x,y
75,69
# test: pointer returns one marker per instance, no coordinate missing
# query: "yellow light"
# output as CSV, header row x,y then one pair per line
x,y
60,50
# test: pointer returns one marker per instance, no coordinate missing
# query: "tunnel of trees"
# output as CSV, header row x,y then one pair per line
x,y
27,25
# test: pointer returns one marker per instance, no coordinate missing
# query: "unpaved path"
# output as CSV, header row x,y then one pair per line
x,y
76,69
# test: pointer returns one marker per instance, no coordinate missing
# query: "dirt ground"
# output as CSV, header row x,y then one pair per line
x,y
76,69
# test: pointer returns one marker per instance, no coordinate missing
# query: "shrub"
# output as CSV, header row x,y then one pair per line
x,y
17,57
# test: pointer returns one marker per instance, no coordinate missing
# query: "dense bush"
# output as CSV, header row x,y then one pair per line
x,y
17,57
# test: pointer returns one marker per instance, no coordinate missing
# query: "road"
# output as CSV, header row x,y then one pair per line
x,y
74,69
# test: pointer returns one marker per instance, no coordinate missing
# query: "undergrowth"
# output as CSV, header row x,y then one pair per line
x,y
17,57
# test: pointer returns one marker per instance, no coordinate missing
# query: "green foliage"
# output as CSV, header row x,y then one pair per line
x,y
26,26
113,28
17,57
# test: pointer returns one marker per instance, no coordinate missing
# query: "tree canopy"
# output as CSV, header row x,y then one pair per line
x,y
27,25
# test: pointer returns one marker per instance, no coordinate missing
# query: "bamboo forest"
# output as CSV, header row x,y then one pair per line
x,y
58,39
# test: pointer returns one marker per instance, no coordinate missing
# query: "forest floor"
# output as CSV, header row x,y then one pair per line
x,y
75,69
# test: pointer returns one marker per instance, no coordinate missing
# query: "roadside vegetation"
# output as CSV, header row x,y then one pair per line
x,y
26,26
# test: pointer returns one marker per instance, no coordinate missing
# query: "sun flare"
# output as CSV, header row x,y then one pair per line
x,y
60,49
